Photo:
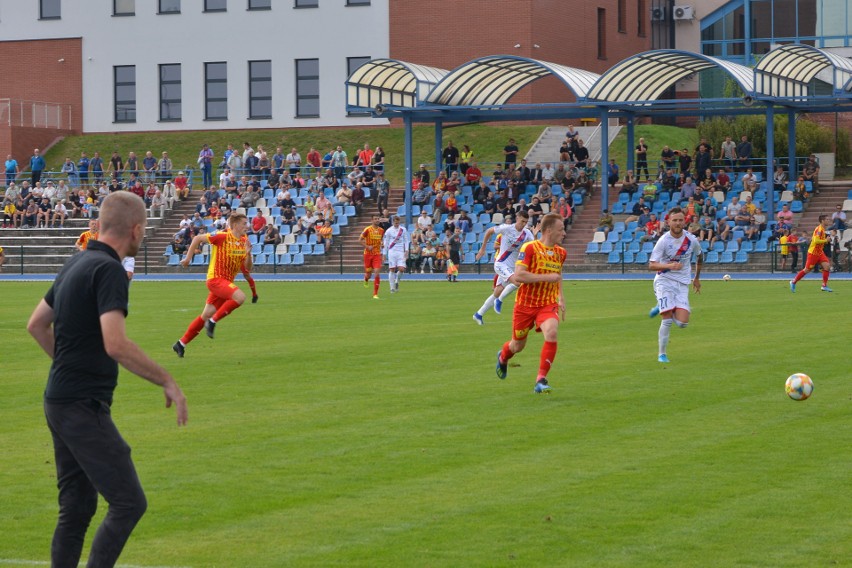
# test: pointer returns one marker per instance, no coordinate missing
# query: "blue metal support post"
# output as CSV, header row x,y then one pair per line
x,y
439,150
793,170
631,153
770,159
409,158
604,166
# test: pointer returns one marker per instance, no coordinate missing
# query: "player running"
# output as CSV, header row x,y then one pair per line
x,y
672,260
540,303
371,238
395,246
512,238
231,251
816,255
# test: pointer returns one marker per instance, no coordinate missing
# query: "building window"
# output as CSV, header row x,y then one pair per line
x,y
124,78
353,63
622,16
259,4
601,33
169,7
216,91
357,2
123,7
643,18
170,95
260,89
306,4
50,9
307,87
215,5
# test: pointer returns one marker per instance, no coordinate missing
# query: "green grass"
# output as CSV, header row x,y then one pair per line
x,y
328,429
486,141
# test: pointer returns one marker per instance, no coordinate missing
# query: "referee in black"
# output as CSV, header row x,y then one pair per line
x,y
80,325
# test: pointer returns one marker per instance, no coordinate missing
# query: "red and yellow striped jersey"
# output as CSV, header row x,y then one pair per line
x,y
227,256
83,241
540,259
373,237
817,240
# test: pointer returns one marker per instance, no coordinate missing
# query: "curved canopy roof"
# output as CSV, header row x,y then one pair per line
x,y
786,71
391,82
645,76
494,79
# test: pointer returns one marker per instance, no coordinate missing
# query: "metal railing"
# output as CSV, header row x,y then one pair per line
x,y
35,114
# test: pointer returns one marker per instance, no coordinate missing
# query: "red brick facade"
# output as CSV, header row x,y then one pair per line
x,y
32,71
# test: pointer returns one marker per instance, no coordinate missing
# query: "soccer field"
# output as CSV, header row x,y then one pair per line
x,y
329,429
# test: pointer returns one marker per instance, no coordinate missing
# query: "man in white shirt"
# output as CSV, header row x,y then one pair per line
x,y
512,237
672,260
395,245
294,161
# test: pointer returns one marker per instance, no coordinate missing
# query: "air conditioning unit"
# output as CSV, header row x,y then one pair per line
x,y
682,13
658,14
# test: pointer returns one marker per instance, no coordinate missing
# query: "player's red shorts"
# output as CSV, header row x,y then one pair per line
x,y
373,261
525,318
815,259
221,291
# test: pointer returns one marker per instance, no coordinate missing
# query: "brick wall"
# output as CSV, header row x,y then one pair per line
x,y
32,72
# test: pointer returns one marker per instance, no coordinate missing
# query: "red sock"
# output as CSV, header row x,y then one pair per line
x,y
825,274
506,353
799,276
193,330
376,281
250,281
548,354
226,309
366,277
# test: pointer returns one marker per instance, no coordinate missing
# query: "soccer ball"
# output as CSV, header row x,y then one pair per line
x,y
726,277
799,386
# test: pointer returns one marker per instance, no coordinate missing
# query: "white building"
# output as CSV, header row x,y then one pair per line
x,y
151,65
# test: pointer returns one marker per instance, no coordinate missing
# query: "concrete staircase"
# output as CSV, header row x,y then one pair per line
x,y
546,148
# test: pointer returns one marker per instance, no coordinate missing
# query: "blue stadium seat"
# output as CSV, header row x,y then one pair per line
x,y
335,229
648,247
628,257
469,258
260,259
747,246
761,246
284,230
298,259
614,257
198,260
732,246
711,257
349,210
727,257
613,237
302,239
705,246
592,248
169,251
641,258
718,246
618,208
742,257
796,206
284,259
268,194
174,260
606,247
256,248
319,249
634,247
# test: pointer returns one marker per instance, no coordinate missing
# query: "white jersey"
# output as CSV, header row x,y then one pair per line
x,y
129,264
511,241
396,240
684,249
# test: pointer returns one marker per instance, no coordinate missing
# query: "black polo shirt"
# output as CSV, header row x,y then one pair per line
x,y
90,284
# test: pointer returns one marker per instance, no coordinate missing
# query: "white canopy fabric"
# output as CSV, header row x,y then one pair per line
x,y
493,80
787,70
391,82
645,76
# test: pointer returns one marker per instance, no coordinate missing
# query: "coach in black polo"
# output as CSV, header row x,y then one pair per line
x,y
80,325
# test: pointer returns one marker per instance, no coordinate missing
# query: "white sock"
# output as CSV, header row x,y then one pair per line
x,y
507,290
398,275
391,278
487,305
680,324
665,330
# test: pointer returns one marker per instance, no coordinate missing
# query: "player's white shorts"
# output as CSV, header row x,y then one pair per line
x,y
129,264
671,295
504,272
396,259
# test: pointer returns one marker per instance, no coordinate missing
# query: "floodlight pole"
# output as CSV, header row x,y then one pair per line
x,y
406,119
770,158
630,155
604,166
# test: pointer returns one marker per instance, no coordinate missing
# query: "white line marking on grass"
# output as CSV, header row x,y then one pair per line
x,y
20,562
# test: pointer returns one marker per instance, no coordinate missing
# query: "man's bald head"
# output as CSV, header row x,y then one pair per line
x,y
120,211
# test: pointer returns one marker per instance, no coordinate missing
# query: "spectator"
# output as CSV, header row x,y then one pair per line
x,y
149,166
131,166
565,210
288,217
60,212
669,182
355,176
293,160
412,264
723,182
606,222
652,229
668,158
382,191
544,194
636,211
734,208
728,153
158,203
707,229
358,196
723,230
810,172
306,223
201,208
339,162
629,184
137,189
649,192
800,190
758,224
324,234
510,154
744,151
369,179
464,222
378,160
779,179
314,160
749,180
838,219
149,193
182,186
688,189
44,212
424,222
69,168
164,166
581,155
264,165
612,173
465,159
427,258
642,158
684,160
31,214
702,161
249,197
422,195
271,236
708,184
37,165
785,217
